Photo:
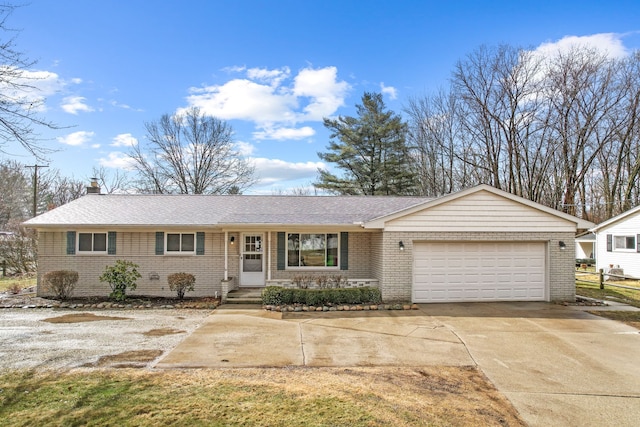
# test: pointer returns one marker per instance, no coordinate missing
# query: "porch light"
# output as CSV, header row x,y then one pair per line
x,y
401,245
562,245
232,239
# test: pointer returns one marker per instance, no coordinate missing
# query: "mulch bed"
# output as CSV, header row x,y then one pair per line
x,y
134,302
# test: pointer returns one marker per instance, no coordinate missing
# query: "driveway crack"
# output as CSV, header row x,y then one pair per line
x,y
475,362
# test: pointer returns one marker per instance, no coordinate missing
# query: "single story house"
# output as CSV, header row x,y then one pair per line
x,y
480,244
618,243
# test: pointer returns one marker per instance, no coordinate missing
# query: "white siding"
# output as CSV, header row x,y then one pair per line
x,y
628,261
481,211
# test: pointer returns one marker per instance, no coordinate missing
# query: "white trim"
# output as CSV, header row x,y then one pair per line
x,y
179,252
309,268
226,255
92,251
633,247
598,228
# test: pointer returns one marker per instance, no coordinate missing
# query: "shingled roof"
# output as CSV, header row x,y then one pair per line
x,y
215,210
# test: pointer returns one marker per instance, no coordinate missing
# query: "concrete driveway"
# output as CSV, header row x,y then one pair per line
x,y
558,365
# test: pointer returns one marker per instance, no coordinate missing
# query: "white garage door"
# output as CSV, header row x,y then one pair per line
x,y
479,271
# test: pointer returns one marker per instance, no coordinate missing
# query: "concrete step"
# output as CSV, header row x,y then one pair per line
x,y
245,296
244,301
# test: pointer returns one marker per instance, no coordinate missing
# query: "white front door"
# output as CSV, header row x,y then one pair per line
x,y
252,261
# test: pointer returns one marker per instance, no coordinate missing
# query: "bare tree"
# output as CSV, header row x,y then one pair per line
x,y
55,190
562,130
190,153
111,181
583,94
14,194
433,140
19,109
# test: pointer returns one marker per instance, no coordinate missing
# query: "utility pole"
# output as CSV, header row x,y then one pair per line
x,y
35,185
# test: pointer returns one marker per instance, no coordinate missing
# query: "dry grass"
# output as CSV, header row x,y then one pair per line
x,y
81,318
592,290
611,293
631,318
21,282
434,396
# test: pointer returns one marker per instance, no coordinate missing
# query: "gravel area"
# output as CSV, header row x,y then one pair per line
x,y
54,339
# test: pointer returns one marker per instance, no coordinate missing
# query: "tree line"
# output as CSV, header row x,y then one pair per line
x,y
562,131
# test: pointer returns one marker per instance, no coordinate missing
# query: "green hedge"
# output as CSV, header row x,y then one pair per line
x,y
276,295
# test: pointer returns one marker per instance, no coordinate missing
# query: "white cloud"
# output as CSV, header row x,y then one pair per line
x,y
245,148
76,139
284,133
244,100
124,140
76,80
74,104
95,145
325,93
274,99
389,90
30,87
606,43
271,171
273,77
117,160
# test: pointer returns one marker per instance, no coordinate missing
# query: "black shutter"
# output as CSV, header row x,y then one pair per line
x,y
159,243
638,243
111,243
200,243
71,242
609,243
281,250
344,251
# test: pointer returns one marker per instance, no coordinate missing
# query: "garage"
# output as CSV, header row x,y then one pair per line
x,y
479,271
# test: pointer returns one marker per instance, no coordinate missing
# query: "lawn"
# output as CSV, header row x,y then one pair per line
x,y
611,293
21,282
255,397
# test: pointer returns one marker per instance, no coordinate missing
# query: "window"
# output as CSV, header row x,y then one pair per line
x,y
624,243
92,242
312,250
180,242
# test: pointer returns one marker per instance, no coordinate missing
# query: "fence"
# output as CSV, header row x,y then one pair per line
x,y
601,280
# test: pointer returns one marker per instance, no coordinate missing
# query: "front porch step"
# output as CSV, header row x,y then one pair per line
x,y
245,296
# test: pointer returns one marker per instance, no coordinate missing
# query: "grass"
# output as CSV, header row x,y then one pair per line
x,y
256,397
627,296
592,290
21,282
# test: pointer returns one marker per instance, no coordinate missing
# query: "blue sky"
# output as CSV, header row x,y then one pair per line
x,y
272,69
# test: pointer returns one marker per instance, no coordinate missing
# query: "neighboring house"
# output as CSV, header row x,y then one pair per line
x,y
480,244
618,243
585,246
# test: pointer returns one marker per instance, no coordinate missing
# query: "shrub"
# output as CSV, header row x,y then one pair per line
x,y
272,295
60,282
275,295
181,283
121,276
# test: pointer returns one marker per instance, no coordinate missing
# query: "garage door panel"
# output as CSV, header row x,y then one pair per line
x,y
479,271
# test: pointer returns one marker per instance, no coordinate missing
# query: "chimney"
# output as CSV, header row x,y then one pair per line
x,y
93,188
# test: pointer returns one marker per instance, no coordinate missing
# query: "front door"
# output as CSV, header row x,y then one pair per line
x,y
252,261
